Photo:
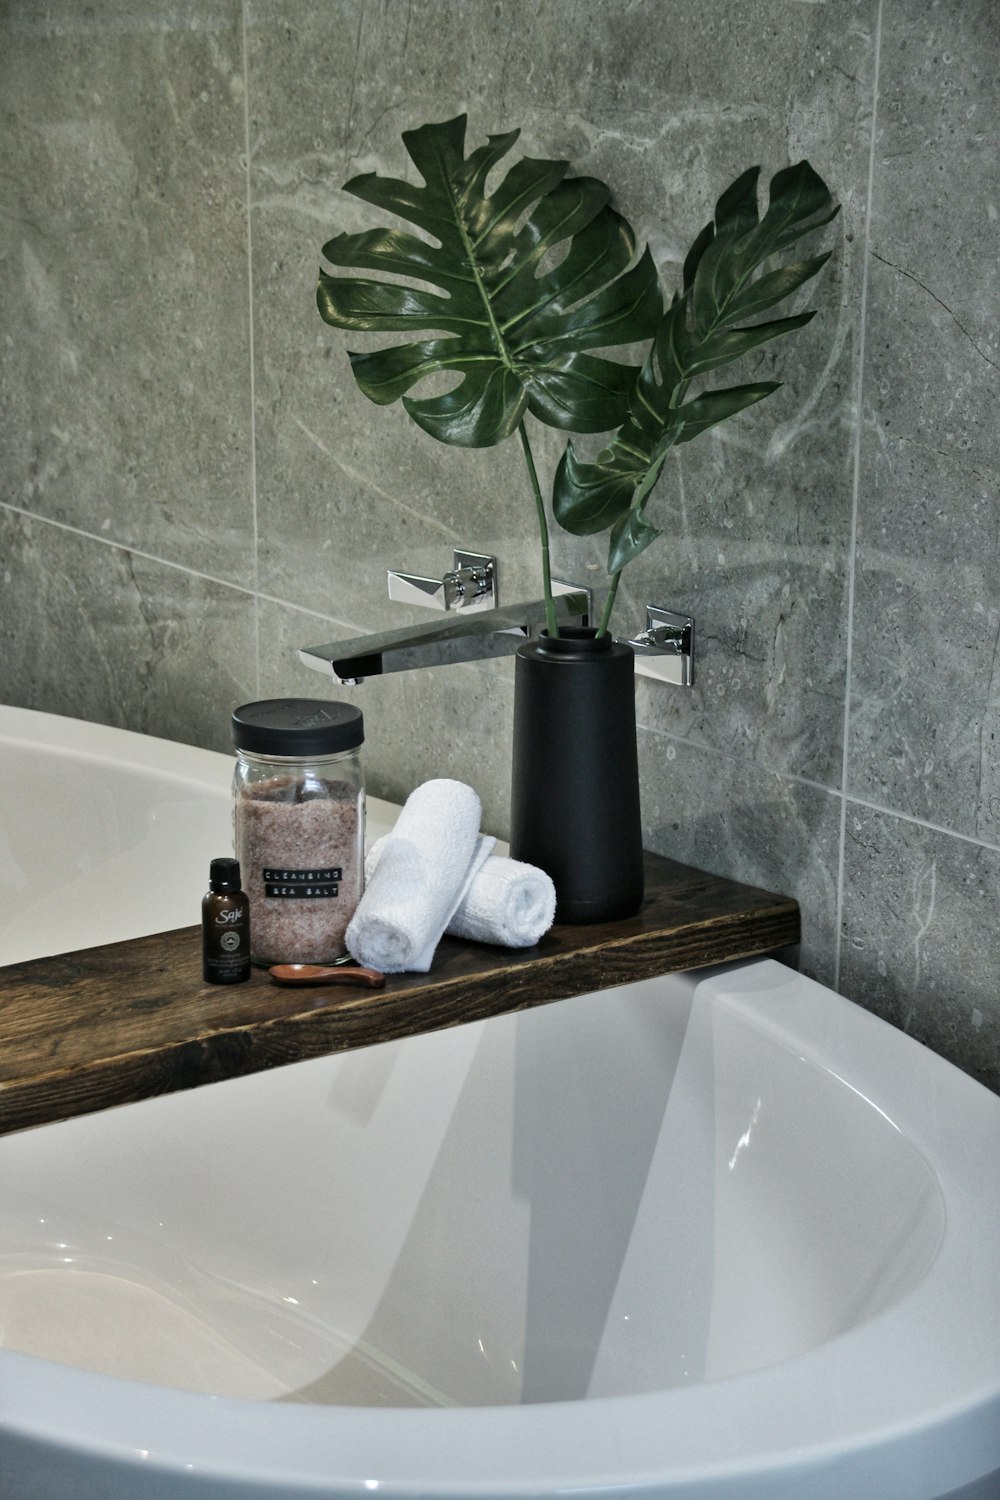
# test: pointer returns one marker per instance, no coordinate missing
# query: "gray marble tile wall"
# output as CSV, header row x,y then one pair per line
x,y
191,486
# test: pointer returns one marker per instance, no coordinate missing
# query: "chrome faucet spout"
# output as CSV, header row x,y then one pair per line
x,y
474,637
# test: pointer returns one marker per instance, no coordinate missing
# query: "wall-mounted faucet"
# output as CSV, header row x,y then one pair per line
x,y
462,637
478,629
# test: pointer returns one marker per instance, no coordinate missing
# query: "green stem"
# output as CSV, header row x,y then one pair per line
x,y
551,622
609,603
639,499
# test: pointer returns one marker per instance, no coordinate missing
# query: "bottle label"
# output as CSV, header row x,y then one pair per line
x,y
302,885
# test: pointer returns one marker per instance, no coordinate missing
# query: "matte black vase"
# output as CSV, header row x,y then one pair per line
x,y
575,776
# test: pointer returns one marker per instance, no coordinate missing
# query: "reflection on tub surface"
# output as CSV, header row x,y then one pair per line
x,y
482,1218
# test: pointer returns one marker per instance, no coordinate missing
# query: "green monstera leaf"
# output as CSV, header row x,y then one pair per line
x,y
704,328
517,289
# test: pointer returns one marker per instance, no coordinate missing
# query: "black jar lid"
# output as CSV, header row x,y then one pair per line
x,y
297,727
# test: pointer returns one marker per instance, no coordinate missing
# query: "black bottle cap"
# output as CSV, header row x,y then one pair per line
x,y
224,874
297,726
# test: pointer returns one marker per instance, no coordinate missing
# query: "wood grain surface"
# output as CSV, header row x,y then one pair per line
x,y
111,1025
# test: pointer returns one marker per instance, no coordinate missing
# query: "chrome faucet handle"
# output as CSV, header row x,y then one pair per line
x,y
471,584
665,649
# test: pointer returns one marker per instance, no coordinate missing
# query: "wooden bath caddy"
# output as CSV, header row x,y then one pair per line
x,y
105,1026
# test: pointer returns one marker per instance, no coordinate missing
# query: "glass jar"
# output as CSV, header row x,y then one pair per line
x,y
299,823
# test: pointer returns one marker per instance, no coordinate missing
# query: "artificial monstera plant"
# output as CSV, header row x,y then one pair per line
x,y
517,292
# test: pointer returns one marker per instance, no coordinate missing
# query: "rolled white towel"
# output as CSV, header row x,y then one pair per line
x,y
418,877
508,902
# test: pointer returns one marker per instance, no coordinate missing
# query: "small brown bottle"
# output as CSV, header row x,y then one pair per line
x,y
225,926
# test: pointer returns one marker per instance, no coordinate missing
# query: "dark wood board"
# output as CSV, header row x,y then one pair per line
x,y
111,1025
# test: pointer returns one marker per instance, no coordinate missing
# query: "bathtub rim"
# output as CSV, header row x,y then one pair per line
x,y
106,742
85,739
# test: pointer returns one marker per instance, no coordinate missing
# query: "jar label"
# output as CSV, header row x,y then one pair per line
x,y
302,885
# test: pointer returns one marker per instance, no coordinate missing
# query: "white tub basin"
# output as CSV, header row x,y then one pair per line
x,y
708,1236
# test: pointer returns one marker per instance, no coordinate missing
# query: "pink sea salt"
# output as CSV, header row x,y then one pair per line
x,y
291,844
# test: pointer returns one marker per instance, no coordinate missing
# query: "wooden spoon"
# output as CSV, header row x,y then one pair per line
x,y
327,974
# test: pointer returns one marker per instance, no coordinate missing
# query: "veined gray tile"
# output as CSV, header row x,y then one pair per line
x,y
936,183
125,368
101,18
921,935
721,814
925,700
759,558
120,639
925,690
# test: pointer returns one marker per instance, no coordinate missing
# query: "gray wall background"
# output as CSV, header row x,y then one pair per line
x,y
191,486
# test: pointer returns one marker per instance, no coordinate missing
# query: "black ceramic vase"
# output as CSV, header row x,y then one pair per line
x,y
575,776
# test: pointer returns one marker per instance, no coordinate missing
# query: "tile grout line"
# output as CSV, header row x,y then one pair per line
x,y
166,562
250,349
855,505
117,546
903,817
846,801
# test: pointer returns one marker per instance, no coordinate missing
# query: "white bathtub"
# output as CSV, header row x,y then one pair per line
x,y
106,834
719,1237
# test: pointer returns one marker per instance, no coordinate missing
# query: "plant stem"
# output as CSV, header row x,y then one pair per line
x,y
551,622
639,499
609,603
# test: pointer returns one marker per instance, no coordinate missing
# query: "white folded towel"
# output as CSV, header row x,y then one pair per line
x,y
508,903
416,876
